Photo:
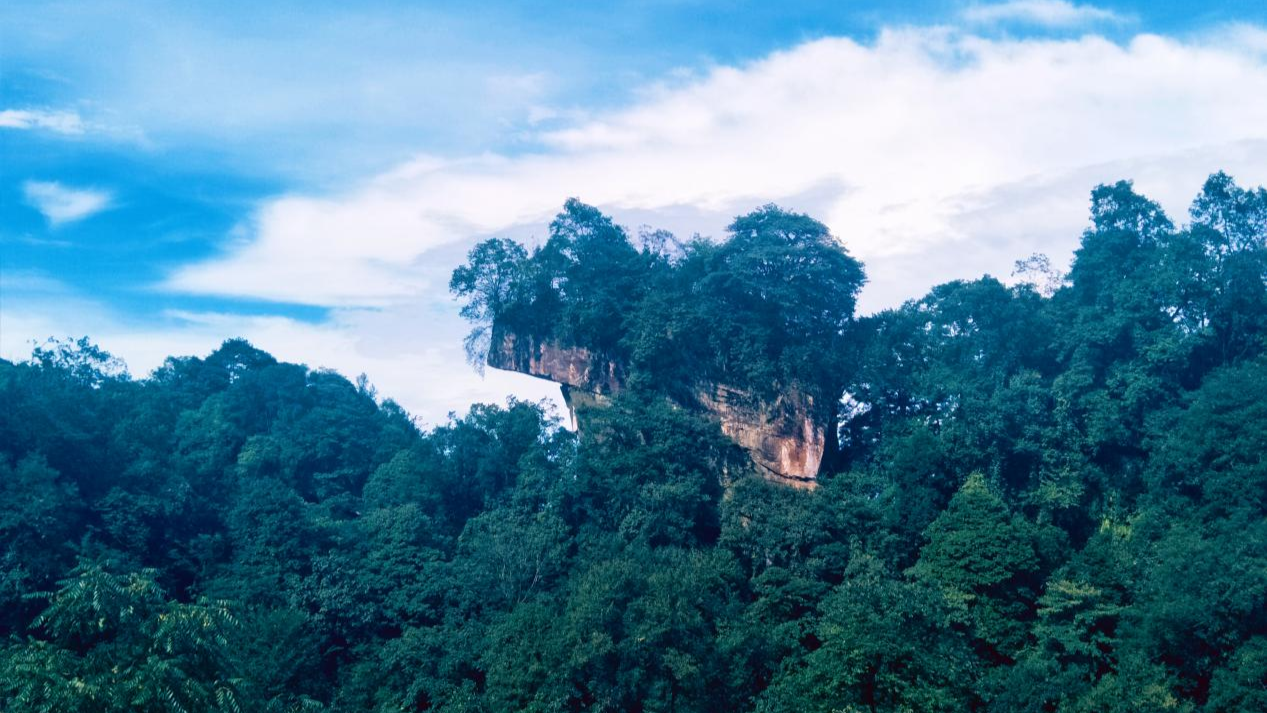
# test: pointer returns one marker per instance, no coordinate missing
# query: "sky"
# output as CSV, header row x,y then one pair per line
x,y
307,175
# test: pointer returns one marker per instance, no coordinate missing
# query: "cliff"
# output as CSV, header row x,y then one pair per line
x,y
784,439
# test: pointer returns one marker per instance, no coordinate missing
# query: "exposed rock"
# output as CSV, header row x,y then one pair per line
x,y
571,366
784,439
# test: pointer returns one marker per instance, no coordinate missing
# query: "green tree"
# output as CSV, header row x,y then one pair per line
x,y
982,558
882,645
111,642
39,514
493,285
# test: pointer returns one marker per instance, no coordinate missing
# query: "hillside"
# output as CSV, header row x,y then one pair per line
x,y
1049,496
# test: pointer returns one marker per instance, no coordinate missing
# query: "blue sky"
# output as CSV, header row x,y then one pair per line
x,y
306,174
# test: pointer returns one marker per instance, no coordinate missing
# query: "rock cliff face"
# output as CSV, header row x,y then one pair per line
x,y
573,368
784,439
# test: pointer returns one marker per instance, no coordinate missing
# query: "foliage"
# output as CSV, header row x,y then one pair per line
x,y
1050,497
767,309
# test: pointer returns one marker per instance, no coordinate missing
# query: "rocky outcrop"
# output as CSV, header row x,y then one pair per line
x,y
576,367
784,439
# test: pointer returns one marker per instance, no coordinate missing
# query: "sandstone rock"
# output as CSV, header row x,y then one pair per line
x,y
784,439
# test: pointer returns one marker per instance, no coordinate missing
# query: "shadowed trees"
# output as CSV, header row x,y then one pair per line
x,y
1046,501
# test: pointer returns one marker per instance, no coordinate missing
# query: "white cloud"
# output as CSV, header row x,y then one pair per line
x,y
933,154
421,368
61,122
1247,38
61,204
920,142
314,93
1048,13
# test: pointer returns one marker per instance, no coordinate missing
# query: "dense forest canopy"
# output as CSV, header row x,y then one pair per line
x,y
1046,500
765,310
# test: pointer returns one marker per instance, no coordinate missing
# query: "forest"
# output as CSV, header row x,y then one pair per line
x,y
1044,495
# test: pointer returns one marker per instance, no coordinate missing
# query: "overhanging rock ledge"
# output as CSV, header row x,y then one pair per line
x,y
784,438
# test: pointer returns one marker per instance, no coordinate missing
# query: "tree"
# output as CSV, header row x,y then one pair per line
x,y
597,274
884,646
1242,685
650,474
493,285
1229,228
779,295
80,360
39,516
981,556
256,536
112,642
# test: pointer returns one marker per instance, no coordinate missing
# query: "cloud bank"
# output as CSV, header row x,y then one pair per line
x,y
412,355
927,140
933,153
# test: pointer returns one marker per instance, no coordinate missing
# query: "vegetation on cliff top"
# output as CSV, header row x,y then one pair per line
x,y
1047,501
764,311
